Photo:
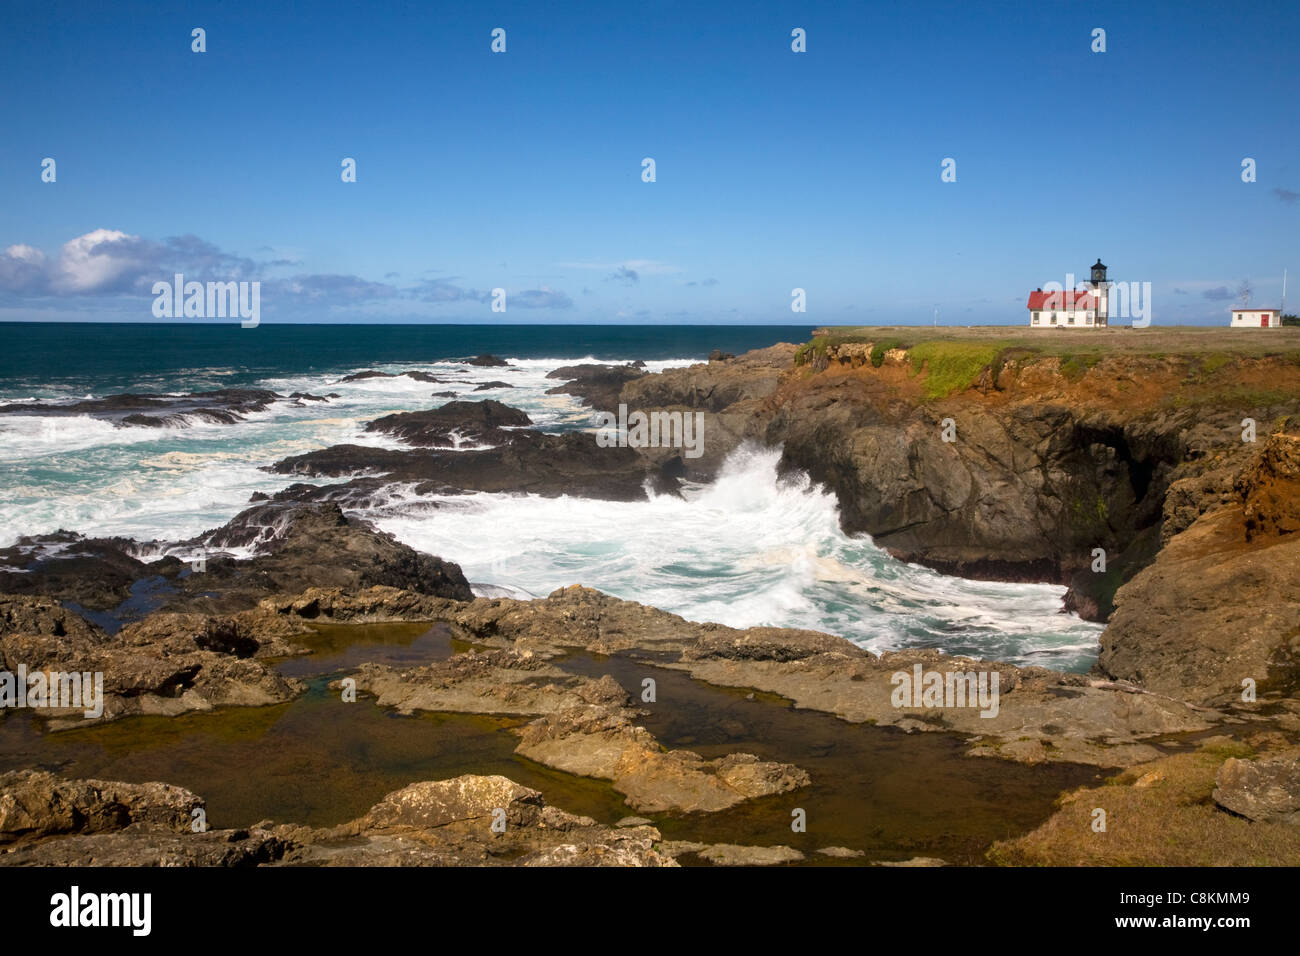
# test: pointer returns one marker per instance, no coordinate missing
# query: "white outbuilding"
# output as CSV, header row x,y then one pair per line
x,y
1256,318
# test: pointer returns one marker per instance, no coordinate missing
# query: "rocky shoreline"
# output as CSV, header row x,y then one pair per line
x,y
1047,467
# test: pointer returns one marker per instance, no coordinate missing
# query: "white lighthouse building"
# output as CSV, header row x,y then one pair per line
x,y
1087,308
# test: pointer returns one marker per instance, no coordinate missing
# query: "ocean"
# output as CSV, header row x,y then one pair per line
x,y
747,549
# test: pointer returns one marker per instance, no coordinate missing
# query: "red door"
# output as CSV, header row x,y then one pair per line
x,y
1263,321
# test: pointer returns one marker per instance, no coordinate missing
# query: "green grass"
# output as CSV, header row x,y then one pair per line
x,y
1075,365
1214,361
810,350
951,366
879,349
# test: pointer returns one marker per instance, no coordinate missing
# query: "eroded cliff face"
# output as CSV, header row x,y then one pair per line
x,y
1035,465
1216,617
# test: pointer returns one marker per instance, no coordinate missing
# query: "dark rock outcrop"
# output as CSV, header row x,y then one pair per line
x,y
223,406
486,361
531,463
595,385
482,423
299,544
411,374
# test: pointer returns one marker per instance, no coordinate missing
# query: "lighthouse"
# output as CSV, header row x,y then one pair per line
x,y
1101,292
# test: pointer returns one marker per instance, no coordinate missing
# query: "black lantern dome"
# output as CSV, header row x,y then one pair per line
x,y
1098,273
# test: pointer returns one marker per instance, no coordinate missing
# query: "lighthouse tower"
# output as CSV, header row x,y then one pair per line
x,y
1101,288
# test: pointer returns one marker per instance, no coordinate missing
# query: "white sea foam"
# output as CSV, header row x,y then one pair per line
x,y
748,549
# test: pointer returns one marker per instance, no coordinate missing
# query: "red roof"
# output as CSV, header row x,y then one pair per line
x,y
1062,300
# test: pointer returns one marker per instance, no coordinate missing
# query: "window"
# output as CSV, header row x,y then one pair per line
x,y
1035,322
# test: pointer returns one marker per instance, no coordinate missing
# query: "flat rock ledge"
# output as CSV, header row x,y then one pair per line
x,y
584,726
1041,715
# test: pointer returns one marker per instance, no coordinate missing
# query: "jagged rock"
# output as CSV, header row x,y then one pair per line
x,y
595,385
437,803
1265,789
26,614
472,821
309,545
1270,488
373,605
1208,614
166,665
455,423
300,545
34,804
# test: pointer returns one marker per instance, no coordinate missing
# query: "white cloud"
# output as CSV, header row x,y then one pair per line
x,y
97,260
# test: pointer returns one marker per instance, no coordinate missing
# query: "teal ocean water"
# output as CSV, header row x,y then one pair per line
x,y
747,549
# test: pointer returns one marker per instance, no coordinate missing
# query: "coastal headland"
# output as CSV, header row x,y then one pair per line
x,y
1154,472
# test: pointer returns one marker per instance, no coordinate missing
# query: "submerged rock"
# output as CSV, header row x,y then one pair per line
x,y
731,854
584,727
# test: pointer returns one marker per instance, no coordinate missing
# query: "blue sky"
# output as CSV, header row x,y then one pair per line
x,y
522,170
